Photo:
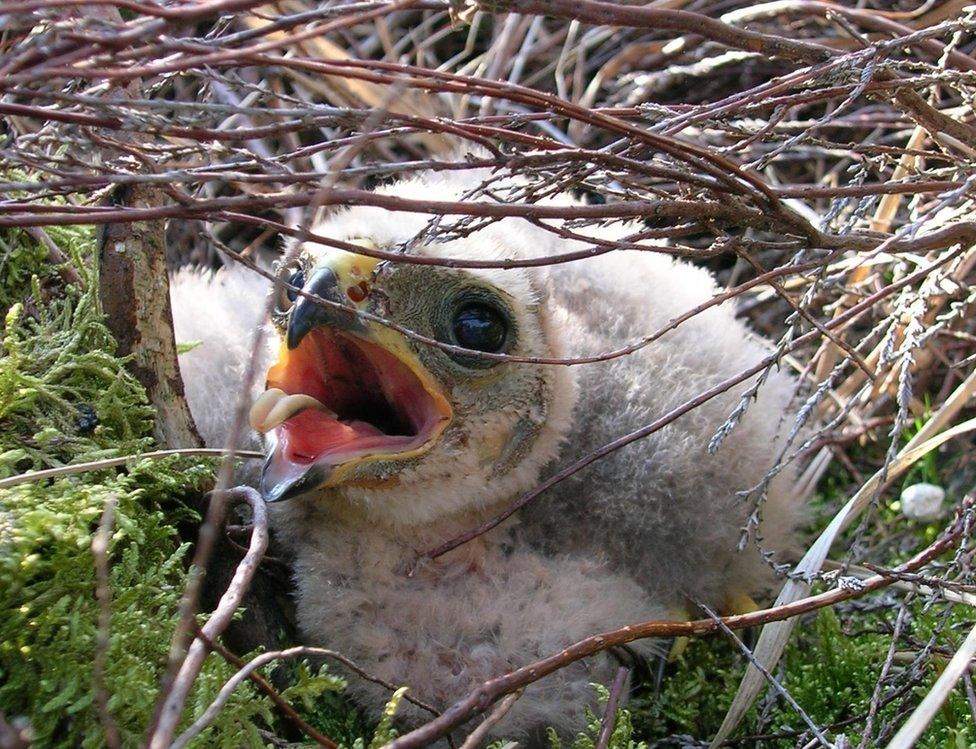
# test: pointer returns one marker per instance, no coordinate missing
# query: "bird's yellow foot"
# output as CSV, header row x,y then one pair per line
x,y
679,644
678,647
739,603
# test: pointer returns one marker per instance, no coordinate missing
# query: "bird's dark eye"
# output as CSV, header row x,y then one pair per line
x,y
480,327
288,295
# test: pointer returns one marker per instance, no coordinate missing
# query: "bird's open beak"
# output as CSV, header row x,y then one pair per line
x,y
344,393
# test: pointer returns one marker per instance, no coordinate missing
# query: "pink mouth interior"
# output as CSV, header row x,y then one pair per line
x,y
380,405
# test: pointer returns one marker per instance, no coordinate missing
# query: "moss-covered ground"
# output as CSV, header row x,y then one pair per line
x,y
66,398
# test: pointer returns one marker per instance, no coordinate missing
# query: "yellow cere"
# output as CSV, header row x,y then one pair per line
x,y
354,272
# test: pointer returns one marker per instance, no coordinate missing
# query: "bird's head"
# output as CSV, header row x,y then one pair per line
x,y
359,408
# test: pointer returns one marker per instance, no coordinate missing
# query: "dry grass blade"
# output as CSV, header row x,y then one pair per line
x,y
773,639
912,729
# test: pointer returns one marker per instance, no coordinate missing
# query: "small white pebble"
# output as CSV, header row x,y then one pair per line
x,y
922,502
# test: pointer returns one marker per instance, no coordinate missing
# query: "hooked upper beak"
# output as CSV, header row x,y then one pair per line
x,y
327,284
345,392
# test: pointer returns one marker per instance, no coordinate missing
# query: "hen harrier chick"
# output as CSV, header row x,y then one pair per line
x,y
379,446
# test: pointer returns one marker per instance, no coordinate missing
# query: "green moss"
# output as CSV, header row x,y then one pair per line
x,y
337,717
691,700
20,257
623,728
66,398
23,260
48,629
830,673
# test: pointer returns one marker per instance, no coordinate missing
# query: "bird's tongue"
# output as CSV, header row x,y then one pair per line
x,y
308,436
342,396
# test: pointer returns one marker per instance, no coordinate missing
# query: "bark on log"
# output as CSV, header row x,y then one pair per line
x,y
134,291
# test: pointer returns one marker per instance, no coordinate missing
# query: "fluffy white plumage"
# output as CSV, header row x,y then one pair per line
x,y
631,538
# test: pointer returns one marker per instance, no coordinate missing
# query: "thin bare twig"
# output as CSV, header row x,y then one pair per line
x,y
98,465
287,710
103,592
172,709
480,734
610,712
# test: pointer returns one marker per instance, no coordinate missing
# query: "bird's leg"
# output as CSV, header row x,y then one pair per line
x,y
735,603
654,670
742,603
678,644
645,667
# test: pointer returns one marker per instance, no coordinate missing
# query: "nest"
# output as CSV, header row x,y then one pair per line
x,y
818,157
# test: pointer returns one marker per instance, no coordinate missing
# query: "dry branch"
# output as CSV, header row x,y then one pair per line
x,y
134,293
317,736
